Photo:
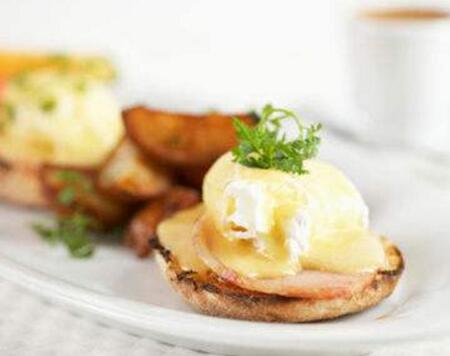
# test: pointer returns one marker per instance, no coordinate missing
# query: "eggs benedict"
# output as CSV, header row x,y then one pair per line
x,y
55,110
280,236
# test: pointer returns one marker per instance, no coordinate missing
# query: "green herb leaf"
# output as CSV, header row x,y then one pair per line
x,y
66,196
75,179
72,231
48,104
80,86
69,176
21,78
10,111
82,250
264,146
74,234
46,233
7,114
59,58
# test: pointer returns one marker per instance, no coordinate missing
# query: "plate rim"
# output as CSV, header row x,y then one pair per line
x,y
164,323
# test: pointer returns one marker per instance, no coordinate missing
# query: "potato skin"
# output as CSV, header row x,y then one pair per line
x,y
128,175
193,176
107,212
176,139
142,227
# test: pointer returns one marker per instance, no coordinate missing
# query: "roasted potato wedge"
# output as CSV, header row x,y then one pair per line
x,y
142,227
129,176
193,176
176,139
72,190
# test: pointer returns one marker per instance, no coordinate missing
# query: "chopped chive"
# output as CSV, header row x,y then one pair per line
x,y
48,105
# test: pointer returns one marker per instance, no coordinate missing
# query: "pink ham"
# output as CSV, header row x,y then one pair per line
x,y
305,284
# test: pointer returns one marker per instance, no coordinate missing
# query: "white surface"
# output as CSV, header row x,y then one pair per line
x,y
195,54
31,327
120,290
203,54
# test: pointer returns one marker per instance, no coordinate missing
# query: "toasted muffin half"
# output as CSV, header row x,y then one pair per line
x,y
20,184
213,296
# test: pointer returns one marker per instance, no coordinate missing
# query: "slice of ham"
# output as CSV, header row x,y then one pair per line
x,y
305,284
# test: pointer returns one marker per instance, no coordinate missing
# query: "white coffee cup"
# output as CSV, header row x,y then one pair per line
x,y
401,74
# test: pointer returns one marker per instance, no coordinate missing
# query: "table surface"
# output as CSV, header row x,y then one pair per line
x,y
32,326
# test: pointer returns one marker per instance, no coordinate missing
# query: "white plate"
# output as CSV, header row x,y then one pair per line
x,y
409,199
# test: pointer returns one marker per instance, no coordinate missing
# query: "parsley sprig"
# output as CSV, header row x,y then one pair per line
x,y
71,230
265,146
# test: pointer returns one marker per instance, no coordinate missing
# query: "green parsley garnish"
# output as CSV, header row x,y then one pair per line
x,y
66,196
75,179
69,176
46,233
80,86
10,111
7,114
264,146
20,79
48,104
61,59
72,231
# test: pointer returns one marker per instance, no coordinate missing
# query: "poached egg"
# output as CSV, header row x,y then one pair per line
x,y
271,223
58,117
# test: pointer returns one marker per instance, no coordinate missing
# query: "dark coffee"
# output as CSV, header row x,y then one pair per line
x,y
406,14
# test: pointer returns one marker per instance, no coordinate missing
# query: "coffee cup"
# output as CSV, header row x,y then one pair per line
x,y
400,65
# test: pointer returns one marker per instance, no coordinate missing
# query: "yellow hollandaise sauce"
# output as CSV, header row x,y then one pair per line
x,y
58,116
267,223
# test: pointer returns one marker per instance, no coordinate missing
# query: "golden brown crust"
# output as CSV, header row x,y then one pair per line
x,y
106,211
142,227
20,184
179,139
146,180
193,176
212,296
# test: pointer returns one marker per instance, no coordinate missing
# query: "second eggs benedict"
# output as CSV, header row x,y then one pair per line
x,y
56,110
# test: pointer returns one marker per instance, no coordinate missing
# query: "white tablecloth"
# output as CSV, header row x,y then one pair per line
x,y
29,326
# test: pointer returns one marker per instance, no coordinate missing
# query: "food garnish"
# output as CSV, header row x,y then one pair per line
x,y
17,64
266,146
72,231
81,209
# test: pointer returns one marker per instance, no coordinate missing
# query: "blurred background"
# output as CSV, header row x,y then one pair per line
x,y
196,55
